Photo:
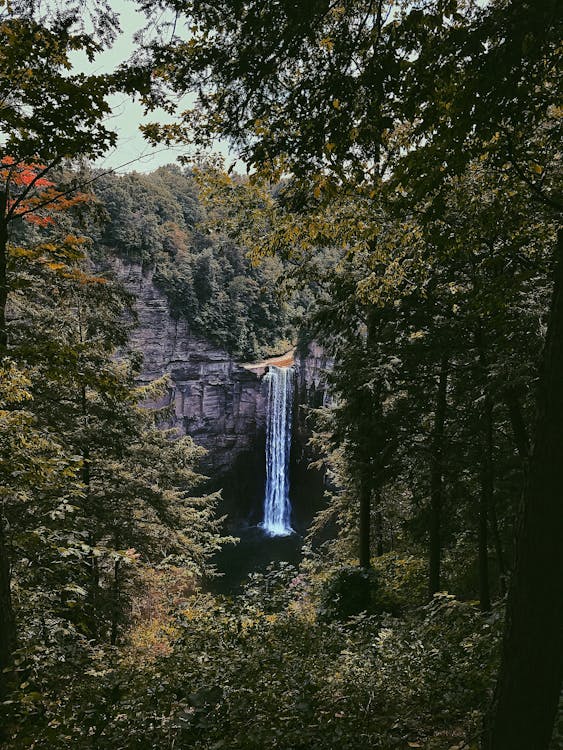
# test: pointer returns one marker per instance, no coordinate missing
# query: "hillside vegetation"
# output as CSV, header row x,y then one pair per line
x,y
209,279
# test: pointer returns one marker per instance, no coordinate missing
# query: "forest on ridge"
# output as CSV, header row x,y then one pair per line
x,y
392,196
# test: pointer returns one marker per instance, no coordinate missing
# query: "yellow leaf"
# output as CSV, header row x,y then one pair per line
x,y
336,103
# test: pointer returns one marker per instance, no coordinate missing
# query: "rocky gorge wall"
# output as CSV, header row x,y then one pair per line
x,y
214,399
312,368
220,402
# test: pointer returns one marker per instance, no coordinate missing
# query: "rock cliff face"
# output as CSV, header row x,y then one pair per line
x,y
312,368
215,400
222,403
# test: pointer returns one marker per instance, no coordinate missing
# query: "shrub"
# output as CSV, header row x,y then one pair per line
x,y
402,582
347,593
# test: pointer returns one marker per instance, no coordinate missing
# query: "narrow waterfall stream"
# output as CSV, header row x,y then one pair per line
x,y
277,506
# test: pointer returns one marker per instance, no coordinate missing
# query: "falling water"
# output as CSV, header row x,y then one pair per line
x,y
277,507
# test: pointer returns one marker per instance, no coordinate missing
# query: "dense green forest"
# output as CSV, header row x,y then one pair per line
x,y
401,207
158,220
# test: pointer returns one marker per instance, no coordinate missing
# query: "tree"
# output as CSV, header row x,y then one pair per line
x,y
49,114
177,223
538,567
33,464
341,94
93,488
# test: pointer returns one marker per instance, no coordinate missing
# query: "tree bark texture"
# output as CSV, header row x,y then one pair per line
x,y
7,619
365,525
437,480
116,603
379,530
529,682
485,504
518,424
3,273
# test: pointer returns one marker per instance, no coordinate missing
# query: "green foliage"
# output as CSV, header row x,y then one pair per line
x,y
441,660
92,488
394,308
348,592
395,585
432,132
242,675
35,64
49,114
270,591
160,221
411,141
340,94
402,582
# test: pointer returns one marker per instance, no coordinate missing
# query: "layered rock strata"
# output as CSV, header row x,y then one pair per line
x,y
220,402
312,368
214,399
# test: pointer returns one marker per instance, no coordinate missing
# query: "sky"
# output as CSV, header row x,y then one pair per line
x,y
132,152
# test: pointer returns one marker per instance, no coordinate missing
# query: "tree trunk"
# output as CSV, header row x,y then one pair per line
x,y
529,682
367,472
7,619
518,424
3,274
115,605
493,518
436,481
498,547
379,532
365,525
485,504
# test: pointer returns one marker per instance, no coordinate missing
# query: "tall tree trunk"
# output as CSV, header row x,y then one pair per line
x,y
7,618
379,530
3,274
518,423
498,547
365,525
485,504
115,604
529,682
92,559
367,471
437,480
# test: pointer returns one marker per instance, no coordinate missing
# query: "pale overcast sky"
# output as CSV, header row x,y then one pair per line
x,y
127,114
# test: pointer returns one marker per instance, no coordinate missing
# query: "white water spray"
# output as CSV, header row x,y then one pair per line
x,y
277,507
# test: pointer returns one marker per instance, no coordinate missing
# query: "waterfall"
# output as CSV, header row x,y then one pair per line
x,y
277,507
